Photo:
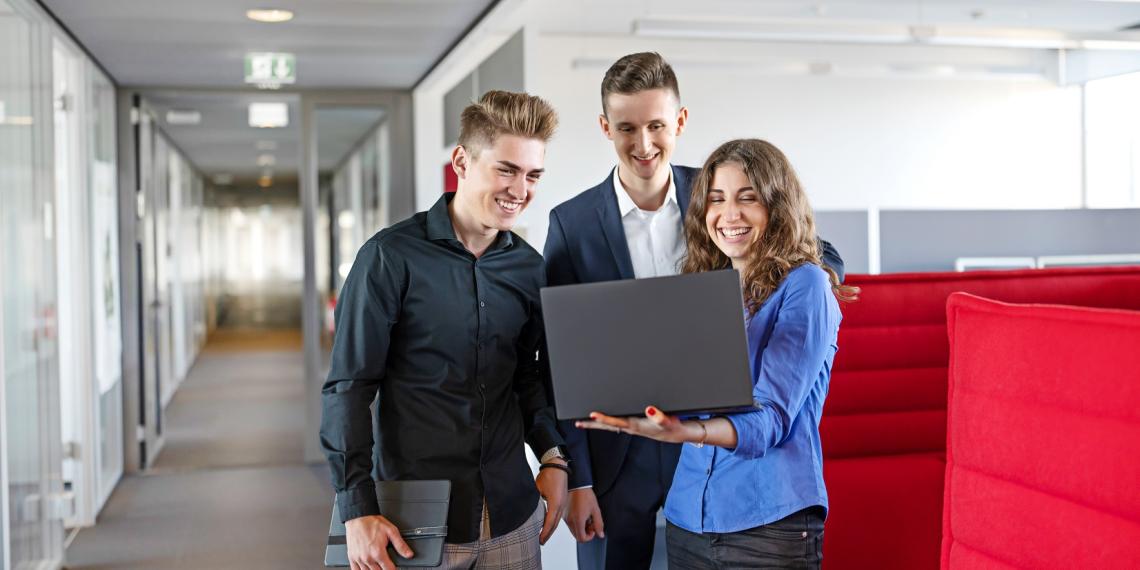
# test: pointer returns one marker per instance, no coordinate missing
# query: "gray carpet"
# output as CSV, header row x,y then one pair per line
x,y
229,490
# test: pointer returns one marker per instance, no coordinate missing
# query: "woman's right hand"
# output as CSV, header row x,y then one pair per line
x,y
368,539
654,425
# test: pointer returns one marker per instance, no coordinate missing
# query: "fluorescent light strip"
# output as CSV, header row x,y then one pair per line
x,y
877,34
269,15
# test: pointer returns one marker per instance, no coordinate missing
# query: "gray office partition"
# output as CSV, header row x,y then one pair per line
x,y
848,232
502,70
930,240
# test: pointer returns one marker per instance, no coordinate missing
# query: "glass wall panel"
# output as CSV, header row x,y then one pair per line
x,y
107,314
29,452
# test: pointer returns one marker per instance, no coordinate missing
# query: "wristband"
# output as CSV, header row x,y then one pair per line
x,y
558,466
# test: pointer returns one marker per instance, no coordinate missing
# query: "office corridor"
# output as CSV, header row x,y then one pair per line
x,y
229,489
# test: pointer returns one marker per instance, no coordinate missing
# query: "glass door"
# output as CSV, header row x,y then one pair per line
x,y
30,450
152,169
74,335
106,310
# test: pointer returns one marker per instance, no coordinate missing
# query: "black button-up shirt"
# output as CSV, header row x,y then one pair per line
x,y
449,342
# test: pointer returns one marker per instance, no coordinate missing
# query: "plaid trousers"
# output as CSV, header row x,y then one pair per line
x,y
516,550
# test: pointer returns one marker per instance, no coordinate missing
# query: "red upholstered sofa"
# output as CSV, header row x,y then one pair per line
x,y
884,421
1043,458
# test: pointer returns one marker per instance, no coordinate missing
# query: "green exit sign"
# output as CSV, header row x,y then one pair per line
x,y
268,69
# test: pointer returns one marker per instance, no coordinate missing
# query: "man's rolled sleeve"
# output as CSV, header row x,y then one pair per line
x,y
367,309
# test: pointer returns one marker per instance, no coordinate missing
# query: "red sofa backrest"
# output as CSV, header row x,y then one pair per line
x,y
1043,458
884,420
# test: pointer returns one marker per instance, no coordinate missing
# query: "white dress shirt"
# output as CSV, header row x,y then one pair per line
x,y
656,241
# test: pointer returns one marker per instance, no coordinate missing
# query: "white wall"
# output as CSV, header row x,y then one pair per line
x,y
859,137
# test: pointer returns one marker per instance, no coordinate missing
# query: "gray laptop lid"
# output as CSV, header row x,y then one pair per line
x,y
674,342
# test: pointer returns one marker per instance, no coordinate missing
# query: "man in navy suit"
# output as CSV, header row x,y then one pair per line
x,y
627,227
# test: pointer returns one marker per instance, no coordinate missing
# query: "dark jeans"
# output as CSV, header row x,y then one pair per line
x,y
795,541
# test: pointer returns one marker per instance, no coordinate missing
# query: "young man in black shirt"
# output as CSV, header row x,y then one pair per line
x,y
440,316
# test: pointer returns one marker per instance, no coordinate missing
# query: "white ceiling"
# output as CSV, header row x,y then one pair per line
x,y
193,49
202,43
392,43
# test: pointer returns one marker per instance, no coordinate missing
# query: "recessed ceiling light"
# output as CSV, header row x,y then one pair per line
x,y
268,115
223,179
269,15
183,117
266,160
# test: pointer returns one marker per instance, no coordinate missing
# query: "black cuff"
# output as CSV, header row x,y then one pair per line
x,y
357,502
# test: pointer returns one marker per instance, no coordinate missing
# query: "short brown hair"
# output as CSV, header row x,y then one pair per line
x,y
639,72
500,113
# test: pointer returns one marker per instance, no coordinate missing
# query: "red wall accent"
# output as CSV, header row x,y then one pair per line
x,y
1043,460
450,179
884,421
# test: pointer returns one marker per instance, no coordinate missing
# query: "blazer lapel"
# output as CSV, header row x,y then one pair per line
x,y
684,183
610,219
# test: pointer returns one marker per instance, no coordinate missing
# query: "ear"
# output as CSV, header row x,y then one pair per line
x,y
682,119
460,160
605,124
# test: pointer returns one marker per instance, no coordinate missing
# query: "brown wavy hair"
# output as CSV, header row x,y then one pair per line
x,y
788,241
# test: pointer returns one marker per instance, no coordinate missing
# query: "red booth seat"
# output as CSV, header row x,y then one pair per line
x,y
884,421
1043,458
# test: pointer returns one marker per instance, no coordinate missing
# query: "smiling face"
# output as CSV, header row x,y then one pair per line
x,y
499,183
644,127
734,216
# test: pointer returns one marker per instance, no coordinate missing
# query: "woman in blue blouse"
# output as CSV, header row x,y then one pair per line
x,y
749,491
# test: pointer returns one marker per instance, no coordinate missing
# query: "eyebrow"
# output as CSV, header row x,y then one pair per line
x,y
649,122
514,166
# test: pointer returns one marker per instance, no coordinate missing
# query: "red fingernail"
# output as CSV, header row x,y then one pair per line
x,y
652,411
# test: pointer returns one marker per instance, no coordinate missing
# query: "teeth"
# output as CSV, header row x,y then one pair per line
x,y
511,206
734,232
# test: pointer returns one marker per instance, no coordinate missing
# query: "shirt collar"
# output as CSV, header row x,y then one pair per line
x,y
626,204
439,224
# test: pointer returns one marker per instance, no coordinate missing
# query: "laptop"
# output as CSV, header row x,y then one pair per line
x,y
677,343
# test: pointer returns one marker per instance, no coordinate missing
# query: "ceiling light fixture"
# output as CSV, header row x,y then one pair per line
x,y
883,34
269,15
268,115
183,117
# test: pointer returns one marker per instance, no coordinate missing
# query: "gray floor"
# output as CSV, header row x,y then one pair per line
x,y
229,490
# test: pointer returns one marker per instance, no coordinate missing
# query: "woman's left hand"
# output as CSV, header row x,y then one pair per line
x,y
655,425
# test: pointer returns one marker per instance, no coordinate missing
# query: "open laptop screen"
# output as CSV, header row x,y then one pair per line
x,y
677,343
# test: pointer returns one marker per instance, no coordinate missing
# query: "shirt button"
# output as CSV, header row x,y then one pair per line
x,y
482,304
482,386
708,471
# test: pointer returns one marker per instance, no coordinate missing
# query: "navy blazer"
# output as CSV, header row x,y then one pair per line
x,y
585,244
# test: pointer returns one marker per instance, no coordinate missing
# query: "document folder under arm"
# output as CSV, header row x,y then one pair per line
x,y
417,508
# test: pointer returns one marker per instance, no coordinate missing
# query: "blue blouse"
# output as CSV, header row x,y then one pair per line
x,y
777,466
